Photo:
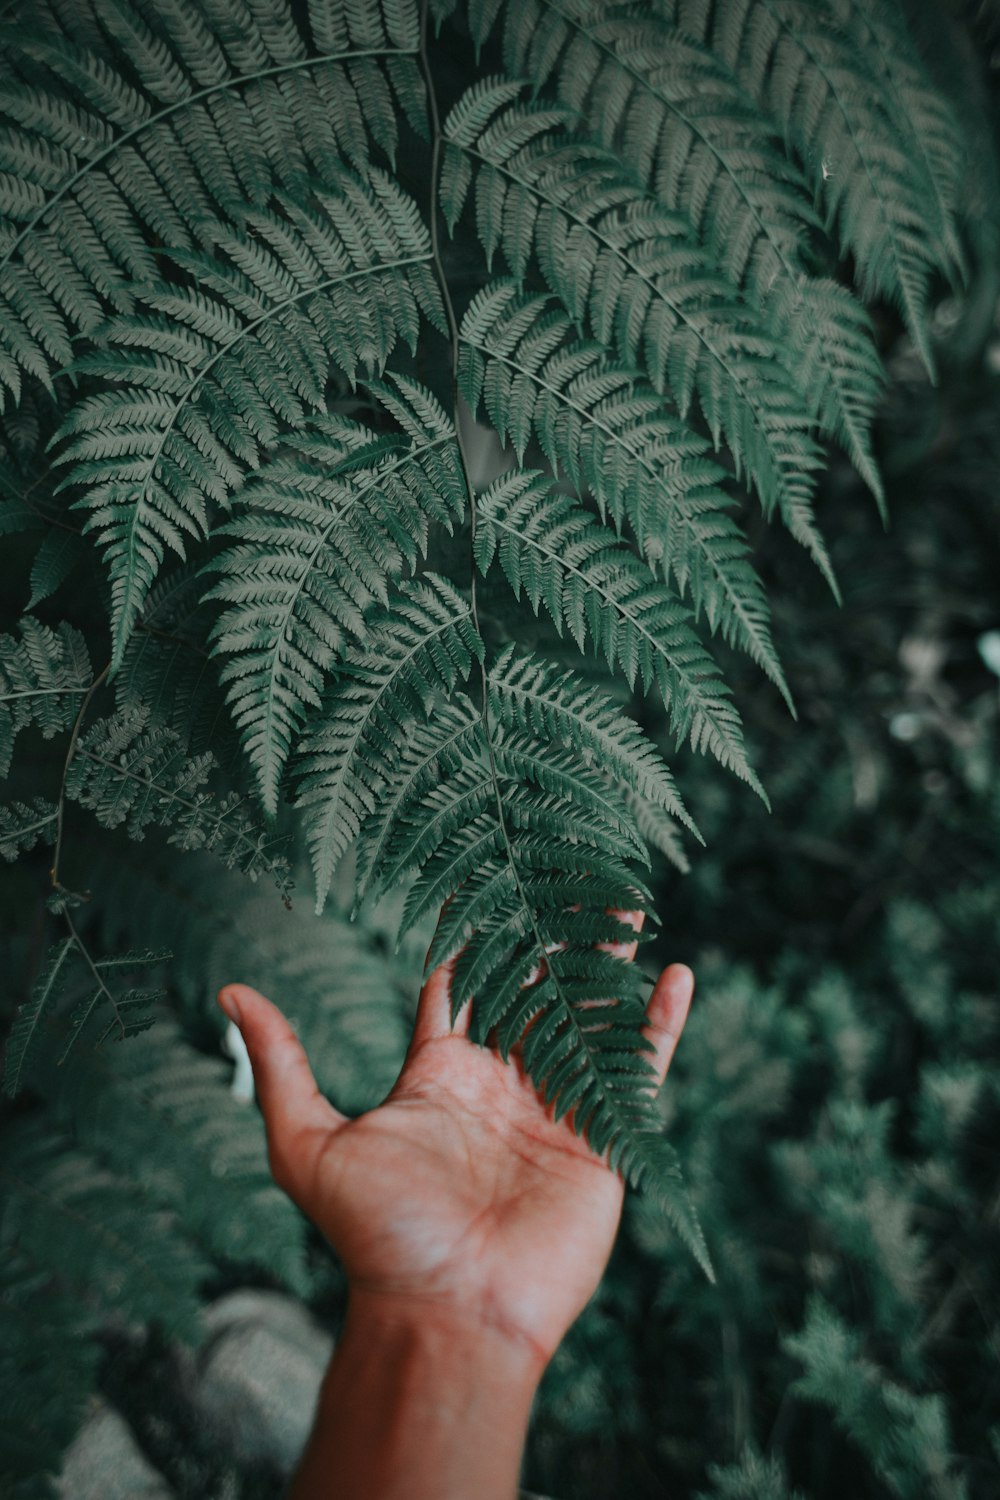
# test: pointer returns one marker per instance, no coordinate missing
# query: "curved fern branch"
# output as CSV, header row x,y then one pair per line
x,y
552,551
203,381
162,156
700,144
617,259
609,432
332,518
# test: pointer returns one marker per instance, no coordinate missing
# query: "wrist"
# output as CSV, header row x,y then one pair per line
x,y
425,1399
470,1332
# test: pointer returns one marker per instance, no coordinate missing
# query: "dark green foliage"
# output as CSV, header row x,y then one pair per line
x,y
259,264
44,677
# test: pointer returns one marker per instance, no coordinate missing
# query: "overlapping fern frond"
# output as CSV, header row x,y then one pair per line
x,y
126,129
702,147
606,429
204,377
337,512
632,272
855,105
222,253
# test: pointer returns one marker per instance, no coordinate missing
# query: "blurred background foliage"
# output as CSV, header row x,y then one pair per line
x,y
835,1101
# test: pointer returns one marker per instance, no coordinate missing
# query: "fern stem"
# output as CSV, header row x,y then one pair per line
x,y
70,750
437,137
102,989
164,114
434,210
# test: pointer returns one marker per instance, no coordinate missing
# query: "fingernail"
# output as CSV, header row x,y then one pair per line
x,y
227,1000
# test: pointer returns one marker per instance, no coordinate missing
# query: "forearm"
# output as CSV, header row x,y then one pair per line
x,y
431,1406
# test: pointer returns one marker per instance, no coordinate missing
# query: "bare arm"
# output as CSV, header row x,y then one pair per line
x,y
473,1229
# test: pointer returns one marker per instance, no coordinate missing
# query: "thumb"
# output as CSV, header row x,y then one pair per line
x,y
297,1117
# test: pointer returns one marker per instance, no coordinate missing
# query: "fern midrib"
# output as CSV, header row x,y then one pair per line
x,y
26,828
142,502
434,215
691,124
777,458
156,119
589,418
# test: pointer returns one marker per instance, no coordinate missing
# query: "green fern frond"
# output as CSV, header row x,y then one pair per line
x,y
601,594
561,709
431,751
526,903
622,263
128,774
333,517
607,430
701,146
210,373
922,114
865,157
423,644
134,133
23,825
44,677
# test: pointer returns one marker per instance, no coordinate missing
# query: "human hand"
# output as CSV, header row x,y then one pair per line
x,y
459,1197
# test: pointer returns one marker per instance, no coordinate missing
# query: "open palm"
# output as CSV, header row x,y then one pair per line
x,y
459,1189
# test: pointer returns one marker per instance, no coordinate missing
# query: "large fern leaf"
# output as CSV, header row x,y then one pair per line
x,y
208,374
608,431
877,172
701,145
631,270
